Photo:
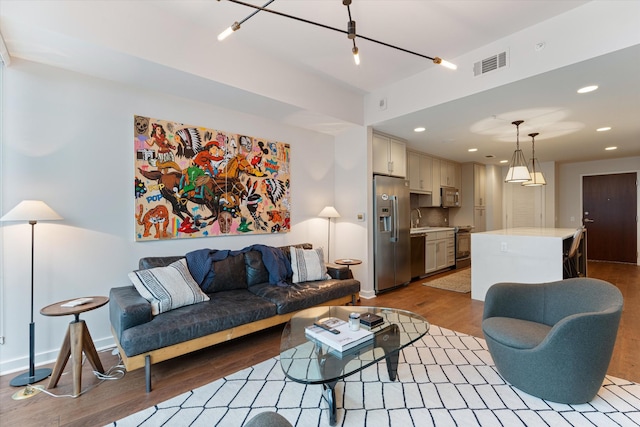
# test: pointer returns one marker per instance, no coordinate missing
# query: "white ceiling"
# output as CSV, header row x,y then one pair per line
x,y
151,43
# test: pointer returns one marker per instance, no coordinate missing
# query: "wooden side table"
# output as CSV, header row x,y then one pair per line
x,y
348,262
76,341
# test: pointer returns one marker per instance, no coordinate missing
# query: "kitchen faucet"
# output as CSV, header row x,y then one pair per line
x,y
419,216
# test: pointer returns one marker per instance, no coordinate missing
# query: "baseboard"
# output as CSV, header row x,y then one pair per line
x,y
48,357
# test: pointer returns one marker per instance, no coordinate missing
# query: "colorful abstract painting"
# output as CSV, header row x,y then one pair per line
x,y
192,181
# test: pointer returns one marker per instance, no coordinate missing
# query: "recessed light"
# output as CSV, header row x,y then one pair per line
x,y
587,89
471,150
504,161
611,148
604,129
419,129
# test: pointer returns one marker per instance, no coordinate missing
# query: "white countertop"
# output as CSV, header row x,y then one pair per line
x,y
562,233
417,230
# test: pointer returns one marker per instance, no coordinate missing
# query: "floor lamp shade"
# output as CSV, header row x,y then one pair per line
x,y
329,212
31,211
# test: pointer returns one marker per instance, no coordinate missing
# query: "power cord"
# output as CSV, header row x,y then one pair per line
x,y
116,372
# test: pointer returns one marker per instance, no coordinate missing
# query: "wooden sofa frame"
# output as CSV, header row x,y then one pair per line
x,y
148,358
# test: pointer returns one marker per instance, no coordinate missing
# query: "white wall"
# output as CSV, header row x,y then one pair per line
x,y
588,31
67,139
353,196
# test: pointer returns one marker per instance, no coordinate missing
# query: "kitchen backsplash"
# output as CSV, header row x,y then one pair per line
x,y
430,217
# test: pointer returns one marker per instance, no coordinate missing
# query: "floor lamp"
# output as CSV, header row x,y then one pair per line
x,y
329,212
31,211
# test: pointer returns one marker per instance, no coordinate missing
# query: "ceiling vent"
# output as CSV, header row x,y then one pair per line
x,y
491,63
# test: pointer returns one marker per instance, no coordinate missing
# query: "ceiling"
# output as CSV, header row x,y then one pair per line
x,y
152,42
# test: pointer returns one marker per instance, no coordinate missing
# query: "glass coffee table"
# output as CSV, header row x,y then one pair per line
x,y
310,362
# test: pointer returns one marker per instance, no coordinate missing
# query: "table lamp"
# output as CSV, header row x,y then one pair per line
x,y
31,211
329,212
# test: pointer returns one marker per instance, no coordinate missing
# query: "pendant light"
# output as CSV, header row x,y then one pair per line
x,y
518,170
537,178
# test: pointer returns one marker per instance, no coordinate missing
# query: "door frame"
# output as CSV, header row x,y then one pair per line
x,y
637,172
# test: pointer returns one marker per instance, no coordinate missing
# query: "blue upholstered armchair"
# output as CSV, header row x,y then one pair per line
x,y
553,340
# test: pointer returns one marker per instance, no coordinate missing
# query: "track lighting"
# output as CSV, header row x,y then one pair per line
x,y
537,178
236,25
226,33
518,171
350,32
444,63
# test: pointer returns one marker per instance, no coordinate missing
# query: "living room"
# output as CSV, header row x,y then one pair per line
x,y
52,116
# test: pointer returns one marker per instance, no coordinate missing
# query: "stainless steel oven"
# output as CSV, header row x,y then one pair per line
x,y
463,246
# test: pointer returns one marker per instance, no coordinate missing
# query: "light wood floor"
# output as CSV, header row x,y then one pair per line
x,y
112,400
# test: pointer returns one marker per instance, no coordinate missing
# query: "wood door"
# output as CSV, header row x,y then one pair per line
x,y
609,214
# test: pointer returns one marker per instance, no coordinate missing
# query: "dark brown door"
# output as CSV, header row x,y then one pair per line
x,y
609,214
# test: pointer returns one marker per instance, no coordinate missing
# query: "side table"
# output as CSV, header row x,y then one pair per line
x,y
348,262
76,341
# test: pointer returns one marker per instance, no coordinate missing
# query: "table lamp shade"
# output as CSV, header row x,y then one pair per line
x,y
329,212
31,210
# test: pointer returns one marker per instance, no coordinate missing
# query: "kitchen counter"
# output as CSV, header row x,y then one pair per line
x,y
520,255
418,230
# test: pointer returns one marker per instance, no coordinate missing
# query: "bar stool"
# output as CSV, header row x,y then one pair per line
x,y
570,261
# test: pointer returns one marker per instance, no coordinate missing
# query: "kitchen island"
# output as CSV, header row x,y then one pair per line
x,y
521,255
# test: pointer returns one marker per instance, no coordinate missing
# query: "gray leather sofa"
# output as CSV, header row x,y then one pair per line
x,y
553,340
242,301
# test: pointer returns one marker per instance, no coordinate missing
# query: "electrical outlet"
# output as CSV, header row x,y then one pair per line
x,y
503,247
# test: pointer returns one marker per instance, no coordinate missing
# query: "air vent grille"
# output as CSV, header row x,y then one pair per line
x,y
491,63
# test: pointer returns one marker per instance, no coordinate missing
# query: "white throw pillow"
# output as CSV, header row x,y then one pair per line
x,y
307,265
167,287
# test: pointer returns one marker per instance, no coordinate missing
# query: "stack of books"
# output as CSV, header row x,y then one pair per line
x,y
336,334
370,320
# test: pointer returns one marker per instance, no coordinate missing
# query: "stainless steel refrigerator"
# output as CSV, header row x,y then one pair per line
x,y
392,265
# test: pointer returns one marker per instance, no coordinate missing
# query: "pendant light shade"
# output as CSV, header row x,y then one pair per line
x,y
537,178
518,170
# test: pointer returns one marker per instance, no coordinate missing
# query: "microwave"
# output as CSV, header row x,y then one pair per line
x,y
449,197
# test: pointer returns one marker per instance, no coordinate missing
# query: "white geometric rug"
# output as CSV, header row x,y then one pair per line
x,y
445,379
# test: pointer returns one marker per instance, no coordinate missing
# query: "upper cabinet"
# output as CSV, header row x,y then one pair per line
x,y
449,174
427,174
389,156
419,171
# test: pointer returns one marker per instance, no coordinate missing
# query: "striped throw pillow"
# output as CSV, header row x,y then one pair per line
x,y
167,287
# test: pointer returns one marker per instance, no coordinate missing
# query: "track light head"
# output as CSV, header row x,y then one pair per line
x,y
351,30
226,33
447,64
356,56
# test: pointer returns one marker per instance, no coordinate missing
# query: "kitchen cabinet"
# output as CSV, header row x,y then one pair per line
x,y
389,156
479,219
473,206
479,186
439,250
419,171
435,181
449,174
430,253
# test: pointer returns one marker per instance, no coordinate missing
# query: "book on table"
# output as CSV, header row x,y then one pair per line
x,y
342,341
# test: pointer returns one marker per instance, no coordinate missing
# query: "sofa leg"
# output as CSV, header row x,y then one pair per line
x,y
147,372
